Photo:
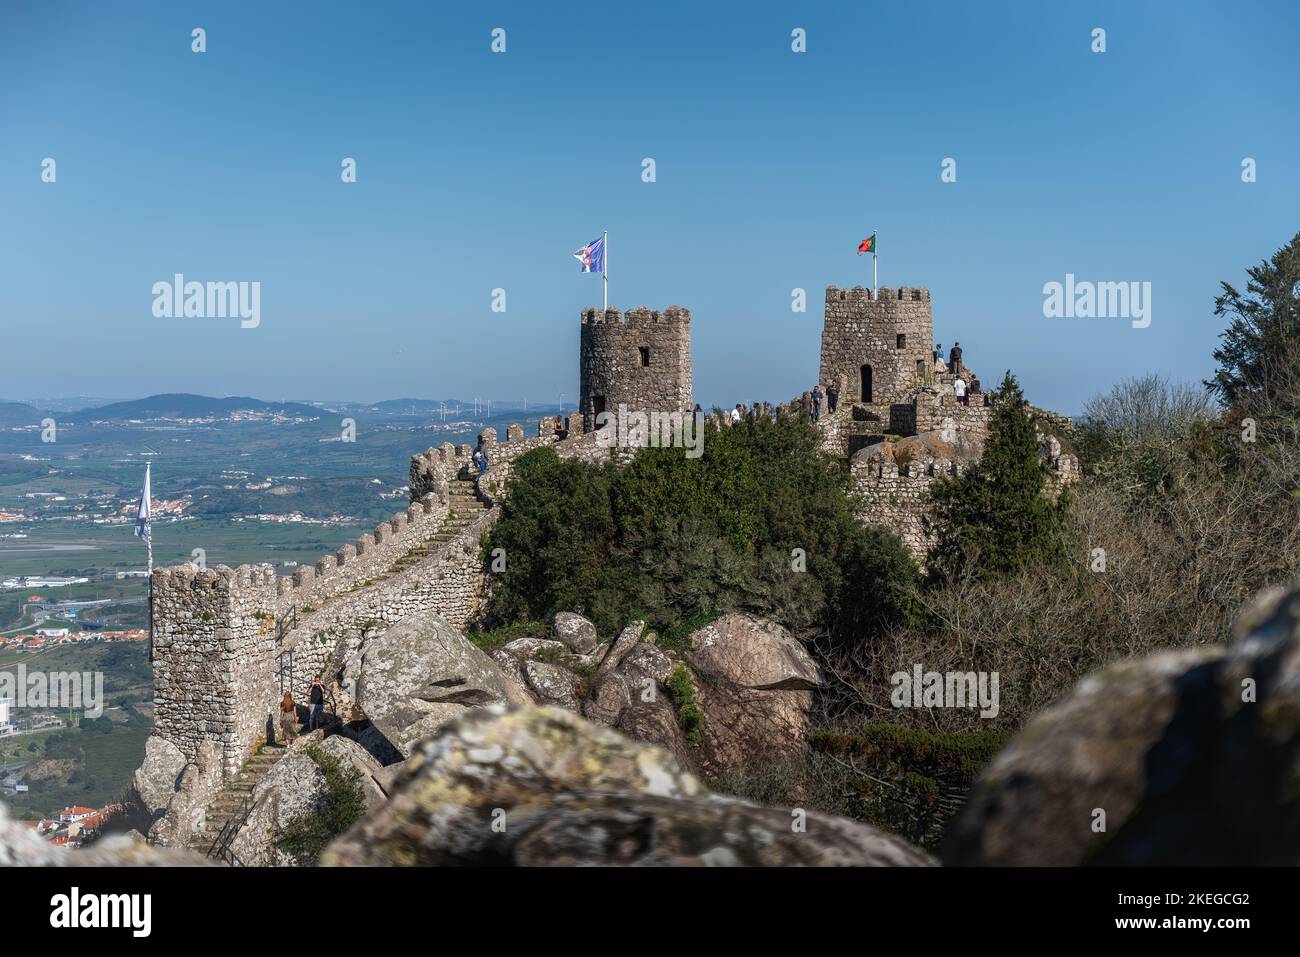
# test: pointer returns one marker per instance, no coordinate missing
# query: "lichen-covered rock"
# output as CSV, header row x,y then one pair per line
x,y
655,721
543,787
525,649
627,640
412,677
1187,757
576,632
198,784
754,683
609,696
296,786
552,684
156,779
753,653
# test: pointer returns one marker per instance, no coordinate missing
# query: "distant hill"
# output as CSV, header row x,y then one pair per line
x,y
184,405
19,413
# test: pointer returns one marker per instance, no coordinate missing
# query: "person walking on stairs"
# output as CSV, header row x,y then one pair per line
x,y
288,719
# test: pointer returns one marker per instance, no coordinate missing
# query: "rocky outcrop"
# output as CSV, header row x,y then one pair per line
x,y
296,786
755,684
543,787
410,679
158,776
199,782
1185,757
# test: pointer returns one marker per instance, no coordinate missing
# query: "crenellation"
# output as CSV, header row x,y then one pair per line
x,y
642,361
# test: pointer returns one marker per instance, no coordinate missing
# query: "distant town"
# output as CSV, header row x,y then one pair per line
x,y
75,826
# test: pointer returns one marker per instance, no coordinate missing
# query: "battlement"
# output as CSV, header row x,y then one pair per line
x,y
640,358
641,314
875,348
883,294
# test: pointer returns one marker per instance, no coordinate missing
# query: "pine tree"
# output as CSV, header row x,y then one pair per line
x,y
995,519
1259,350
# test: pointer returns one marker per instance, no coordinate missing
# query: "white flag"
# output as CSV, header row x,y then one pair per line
x,y
142,517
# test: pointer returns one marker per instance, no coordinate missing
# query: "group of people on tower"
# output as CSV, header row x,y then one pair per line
x,y
962,389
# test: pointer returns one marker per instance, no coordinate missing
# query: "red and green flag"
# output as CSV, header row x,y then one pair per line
x,y
867,245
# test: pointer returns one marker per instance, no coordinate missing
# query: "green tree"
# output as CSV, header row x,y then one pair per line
x,y
1259,349
996,519
761,522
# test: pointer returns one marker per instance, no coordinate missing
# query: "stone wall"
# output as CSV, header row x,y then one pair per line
x,y
859,330
211,638
226,640
611,361
891,496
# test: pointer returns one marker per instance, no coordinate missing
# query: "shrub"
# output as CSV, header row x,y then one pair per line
x,y
341,804
682,692
682,540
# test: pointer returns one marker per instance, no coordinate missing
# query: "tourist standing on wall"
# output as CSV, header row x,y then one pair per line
x,y
954,358
736,414
817,402
288,718
805,406
832,398
959,390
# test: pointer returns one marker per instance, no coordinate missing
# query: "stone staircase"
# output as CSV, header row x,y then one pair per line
x,y
230,799
465,508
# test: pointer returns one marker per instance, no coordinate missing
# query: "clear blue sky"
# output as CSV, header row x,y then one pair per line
x,y
479,171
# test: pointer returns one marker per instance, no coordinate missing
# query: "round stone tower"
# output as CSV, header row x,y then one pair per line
x,y
877,348
641,359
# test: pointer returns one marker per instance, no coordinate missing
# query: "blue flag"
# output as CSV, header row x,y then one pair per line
x,y
592,256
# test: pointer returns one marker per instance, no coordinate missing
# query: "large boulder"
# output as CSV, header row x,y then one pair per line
x,y
156,779
542,787
552,684
1184,757
576,632
751,652
411,678
755,684
295,786
198,783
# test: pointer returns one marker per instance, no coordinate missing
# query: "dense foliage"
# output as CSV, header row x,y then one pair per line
x,y
762,522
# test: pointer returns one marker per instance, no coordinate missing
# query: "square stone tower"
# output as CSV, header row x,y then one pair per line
x,y
877,348
641,359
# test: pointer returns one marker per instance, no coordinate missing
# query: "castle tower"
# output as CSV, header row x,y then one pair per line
x,y
876,349
641,359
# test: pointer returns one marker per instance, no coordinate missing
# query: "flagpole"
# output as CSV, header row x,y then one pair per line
x,y
604,273
875,285
148,542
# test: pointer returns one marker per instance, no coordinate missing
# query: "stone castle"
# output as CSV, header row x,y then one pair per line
x,y
227,642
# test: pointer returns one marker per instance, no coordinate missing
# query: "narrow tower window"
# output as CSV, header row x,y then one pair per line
x,y
645,355
901,341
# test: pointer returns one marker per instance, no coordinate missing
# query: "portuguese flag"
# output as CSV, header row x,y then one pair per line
x,y
867,245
